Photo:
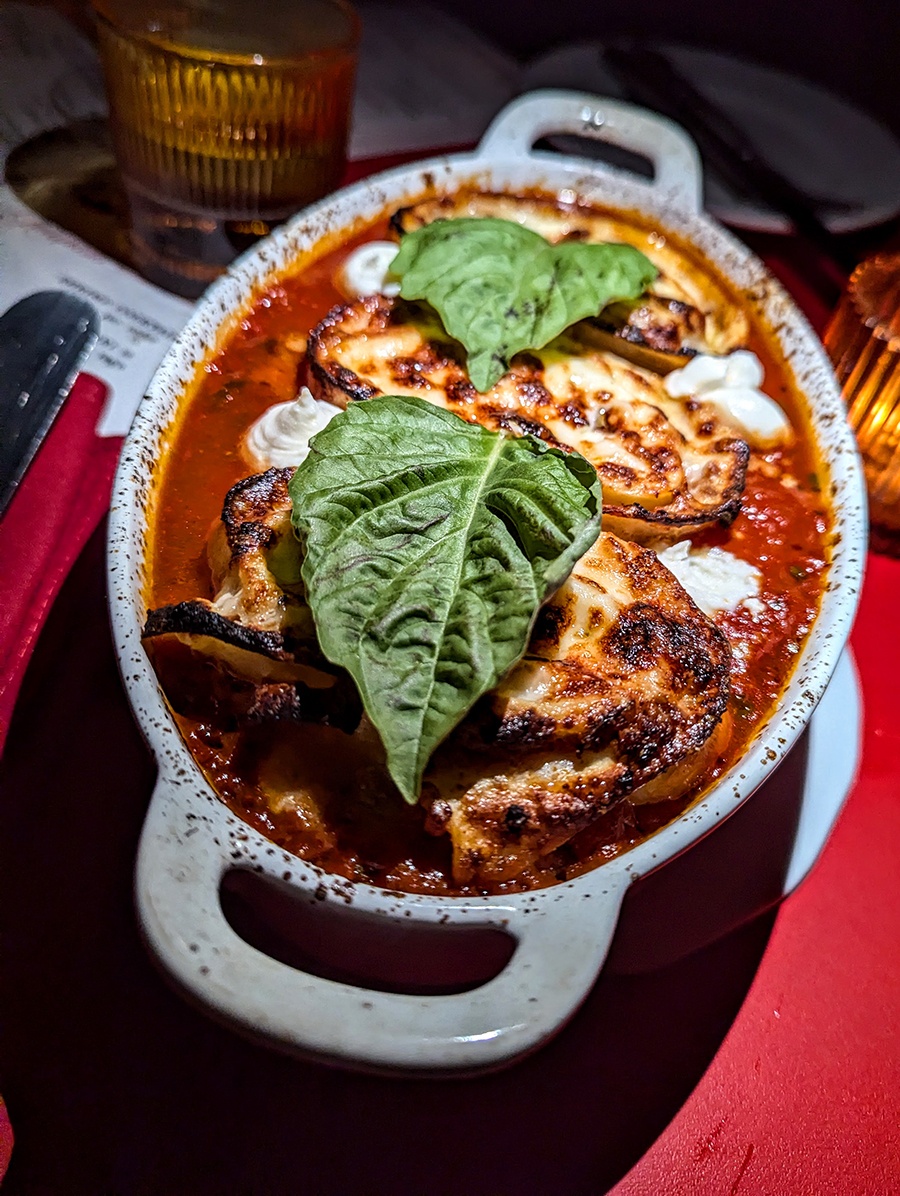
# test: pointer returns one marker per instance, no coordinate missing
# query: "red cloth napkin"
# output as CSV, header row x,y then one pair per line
x,y
60,501
57,506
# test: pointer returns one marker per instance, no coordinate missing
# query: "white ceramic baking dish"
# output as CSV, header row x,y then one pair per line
x,y
561,935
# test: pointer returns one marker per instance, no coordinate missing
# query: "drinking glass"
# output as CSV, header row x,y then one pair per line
x,y
227,117
863,341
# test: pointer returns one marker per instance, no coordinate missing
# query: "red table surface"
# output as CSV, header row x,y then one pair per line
x,y
766,1063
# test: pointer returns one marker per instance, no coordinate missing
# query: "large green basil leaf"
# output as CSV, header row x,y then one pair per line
x,y
430,544
500,288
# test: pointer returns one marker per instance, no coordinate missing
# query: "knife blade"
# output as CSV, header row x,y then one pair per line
x,y
45,339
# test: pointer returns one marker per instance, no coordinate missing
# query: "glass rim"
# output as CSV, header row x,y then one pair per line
x,y
152,41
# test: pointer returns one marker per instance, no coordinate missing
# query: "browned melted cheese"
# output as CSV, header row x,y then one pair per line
x,y
250,654
624,679
668,468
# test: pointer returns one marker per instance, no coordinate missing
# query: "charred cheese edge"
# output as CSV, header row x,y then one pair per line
x,y
621,693
250,654
668,467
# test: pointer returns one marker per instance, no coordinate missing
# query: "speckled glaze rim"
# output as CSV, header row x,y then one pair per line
x,y
190,839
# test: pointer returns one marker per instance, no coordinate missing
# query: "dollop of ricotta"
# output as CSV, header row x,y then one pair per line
x,y
732,384
281,435
365,271
717,580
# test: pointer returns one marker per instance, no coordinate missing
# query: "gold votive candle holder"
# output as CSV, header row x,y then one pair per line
x,y
227,117
863,341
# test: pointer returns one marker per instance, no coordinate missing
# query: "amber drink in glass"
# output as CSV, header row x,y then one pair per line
x,y
863,341
227,118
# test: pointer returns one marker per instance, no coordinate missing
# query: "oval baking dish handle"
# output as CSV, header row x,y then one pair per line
x,y
676,161
561,943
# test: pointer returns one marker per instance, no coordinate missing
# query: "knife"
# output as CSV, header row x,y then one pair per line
x,y
44,341
649,78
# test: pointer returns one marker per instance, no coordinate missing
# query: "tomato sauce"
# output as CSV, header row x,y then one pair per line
x,y
783,530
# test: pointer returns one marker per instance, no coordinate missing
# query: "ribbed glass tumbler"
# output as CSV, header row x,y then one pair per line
x,y
227,118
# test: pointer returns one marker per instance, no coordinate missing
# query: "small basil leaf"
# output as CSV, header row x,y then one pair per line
x,y
500,288
430,544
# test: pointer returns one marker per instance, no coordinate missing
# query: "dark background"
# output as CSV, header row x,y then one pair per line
x,y
852,47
